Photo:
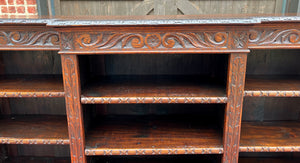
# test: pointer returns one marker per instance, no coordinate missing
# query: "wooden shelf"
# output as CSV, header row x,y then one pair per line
x,y
268,160
31,86
270,137
272,86
34,130
37,160
153,89
133,135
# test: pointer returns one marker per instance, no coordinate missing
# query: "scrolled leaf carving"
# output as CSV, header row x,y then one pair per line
x,y
167,40
274,36
29,38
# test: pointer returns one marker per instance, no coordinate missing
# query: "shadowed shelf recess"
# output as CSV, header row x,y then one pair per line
x,y
37,160
34,130
31,86
272,86
153,135
159,159
154,89
268,160
277,136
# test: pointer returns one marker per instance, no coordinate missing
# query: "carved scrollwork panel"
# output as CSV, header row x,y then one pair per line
x,y
273,37
149,41
29,39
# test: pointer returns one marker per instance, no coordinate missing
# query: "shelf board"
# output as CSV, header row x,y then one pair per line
x,y
269,160
279,136
153,89
31,86
132,135
272,86
34,130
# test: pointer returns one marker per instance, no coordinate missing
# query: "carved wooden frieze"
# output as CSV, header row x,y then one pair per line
x,y
112,40
272,38
191,41
29,39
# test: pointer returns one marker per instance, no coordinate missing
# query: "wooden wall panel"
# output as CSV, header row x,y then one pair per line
x,y
165,7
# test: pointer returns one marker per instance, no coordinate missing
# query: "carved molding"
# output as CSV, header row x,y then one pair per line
x,y
32,94
33,141
148,41
124,100
93,152
36,38
270,149
274,37
272,93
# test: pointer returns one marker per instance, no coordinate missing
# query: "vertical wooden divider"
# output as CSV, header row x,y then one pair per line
x,y
233,112
71,75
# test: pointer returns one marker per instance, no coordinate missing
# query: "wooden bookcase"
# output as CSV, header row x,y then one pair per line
x,y
150,89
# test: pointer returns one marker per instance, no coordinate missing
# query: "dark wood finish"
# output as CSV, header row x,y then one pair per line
x,y
233,111
29,38
155,35
191,39
153,89
34,130
275,36
277,136
31,86
153,136
73,107
272,86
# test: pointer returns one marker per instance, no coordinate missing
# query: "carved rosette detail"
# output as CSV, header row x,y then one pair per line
x,y
240,40
66,41
274,36
178,40
29,38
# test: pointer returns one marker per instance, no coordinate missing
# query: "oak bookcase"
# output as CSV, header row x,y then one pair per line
x,y
150,89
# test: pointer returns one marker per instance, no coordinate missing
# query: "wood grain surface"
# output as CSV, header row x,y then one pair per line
x,y
34,130
154,89
277,136
144,135
31,86
272,86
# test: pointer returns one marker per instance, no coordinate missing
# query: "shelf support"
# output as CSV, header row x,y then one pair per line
x,y
233,112
71,75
